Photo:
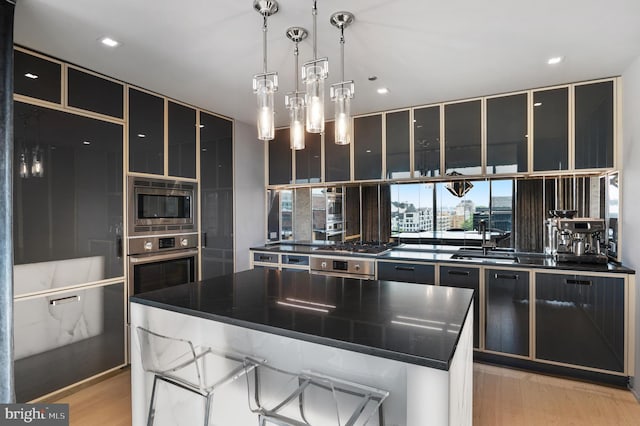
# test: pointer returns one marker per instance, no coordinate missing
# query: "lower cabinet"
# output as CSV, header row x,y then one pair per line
x,y
64,337
465,277
507,311
407,272
580,320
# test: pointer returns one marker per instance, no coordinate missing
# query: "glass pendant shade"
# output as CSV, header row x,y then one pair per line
x,y
342,100
265,94
313,75
37,168
297,122
23,168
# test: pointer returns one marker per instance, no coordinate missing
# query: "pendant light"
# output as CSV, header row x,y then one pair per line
x,y
37,167
266,84
294,101
313,74
341,93
23,167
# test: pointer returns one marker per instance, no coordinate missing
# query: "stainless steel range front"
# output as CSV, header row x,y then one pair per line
x,y
349,267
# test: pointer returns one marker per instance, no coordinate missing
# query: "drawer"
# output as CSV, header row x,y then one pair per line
x,y
292,259
265,257
63,338
407,272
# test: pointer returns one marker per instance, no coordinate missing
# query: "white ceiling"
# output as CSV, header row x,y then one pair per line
x,y
206,52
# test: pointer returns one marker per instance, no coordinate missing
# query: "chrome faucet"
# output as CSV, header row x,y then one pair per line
x,y
486,245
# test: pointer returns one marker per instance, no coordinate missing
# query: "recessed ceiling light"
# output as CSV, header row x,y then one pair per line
x,y
383,90
86,143
108,41
537,104
554,60
29,75
142,135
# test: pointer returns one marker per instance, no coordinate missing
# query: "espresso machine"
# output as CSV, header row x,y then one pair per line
x,y
576,239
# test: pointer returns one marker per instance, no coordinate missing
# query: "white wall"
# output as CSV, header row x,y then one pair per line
x,y
249,224
630,179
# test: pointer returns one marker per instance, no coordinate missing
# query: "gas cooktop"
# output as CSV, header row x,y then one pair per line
x,y
358,247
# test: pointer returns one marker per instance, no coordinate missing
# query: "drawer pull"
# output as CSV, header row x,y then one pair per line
x,y
264,257
507,276
63,300
294,260
405,268
464,273
578,282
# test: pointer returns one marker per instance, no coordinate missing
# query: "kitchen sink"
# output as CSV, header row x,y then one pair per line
x,y
493,255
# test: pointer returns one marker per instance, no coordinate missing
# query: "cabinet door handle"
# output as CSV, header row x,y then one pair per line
x,y
204,239
264,257
63,300
578,282
507,276
464,273
405,268
294,260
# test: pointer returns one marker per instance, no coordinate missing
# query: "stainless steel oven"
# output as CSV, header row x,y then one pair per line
x,y
158,206
156,262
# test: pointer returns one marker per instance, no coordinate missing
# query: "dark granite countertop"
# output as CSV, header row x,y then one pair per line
x,y
435,253
413,323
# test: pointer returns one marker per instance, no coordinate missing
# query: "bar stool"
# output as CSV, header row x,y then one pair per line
x,y
179,363
311,398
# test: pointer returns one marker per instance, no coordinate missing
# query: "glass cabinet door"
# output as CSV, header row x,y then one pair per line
x,y
426,141
308,160
92,93
36,77
146,133
594,125
280,158
507,146
182,140
397,137
462,137
367,147
337,158
551,129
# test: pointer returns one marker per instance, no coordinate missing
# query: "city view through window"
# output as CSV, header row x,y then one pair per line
x,y
432,211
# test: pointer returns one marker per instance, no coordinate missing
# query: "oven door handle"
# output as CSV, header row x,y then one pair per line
x,y
161,257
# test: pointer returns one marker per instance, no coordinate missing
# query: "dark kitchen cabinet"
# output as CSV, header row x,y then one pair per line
x,y
367,146
507,311
551,129
71,207
146,133
308,160
397,137
463,137
407,272
37,78
594,125
337,163
426,141
280,158
182,140
465,277
216,190
507,124
580,320
92,93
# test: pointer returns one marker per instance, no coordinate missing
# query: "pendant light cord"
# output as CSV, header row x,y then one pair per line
x,y
315,30
295,69
342,50
264,43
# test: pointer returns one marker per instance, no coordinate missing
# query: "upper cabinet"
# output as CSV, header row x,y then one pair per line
x,y
463,137
308,161
594,125
367,145
426,141
280,158
146,133
37,77
398,144
182,140
507,139
92,93
551,129
337,163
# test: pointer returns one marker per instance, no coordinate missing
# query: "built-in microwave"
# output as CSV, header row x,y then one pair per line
x,y
158,206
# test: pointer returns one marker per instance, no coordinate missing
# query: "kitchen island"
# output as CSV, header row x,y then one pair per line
x,y
414,341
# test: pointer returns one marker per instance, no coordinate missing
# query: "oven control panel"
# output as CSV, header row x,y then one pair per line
x,y
160,243
343,266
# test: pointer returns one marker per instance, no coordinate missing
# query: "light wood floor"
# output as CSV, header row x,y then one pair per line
x,y
501,397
